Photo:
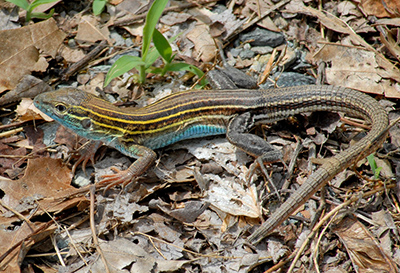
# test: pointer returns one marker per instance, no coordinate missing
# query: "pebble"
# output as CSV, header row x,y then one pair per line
x,y
262,37
289,79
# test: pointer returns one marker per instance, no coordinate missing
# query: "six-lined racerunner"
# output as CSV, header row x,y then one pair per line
x,y
136,132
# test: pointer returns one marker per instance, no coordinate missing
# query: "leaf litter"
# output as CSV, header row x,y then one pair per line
x,y
193,210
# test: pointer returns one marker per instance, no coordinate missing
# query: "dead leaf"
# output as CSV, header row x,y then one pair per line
x,y
390,22
173,18
44,177
388,69
364,250
204,45
122,254
71,55
235,199
381,8
41,65
14,159
20,50
26,111
28,87
9,238
45,180
89,30
391,43
355,68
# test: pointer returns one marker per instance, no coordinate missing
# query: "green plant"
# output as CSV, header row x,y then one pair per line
x,y
29,7
98,6
149,54
374,167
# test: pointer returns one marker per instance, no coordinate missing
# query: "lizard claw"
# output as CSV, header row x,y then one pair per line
x,y
259,163
119,177
86,153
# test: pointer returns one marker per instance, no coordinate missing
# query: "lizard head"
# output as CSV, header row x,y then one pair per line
x,y
69,106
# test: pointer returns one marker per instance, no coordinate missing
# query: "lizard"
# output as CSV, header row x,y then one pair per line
x,y
137,132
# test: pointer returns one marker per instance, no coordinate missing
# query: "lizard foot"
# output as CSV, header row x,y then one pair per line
x,y
119,177
259,164
85,154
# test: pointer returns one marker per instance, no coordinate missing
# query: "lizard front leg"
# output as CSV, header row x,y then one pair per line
x,y
145,158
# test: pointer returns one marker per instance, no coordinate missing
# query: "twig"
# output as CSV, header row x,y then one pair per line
x,y
93,228
135,18
81,63
330,214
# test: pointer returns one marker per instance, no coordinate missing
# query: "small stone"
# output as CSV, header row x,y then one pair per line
x,y
286,79
247,54
262,50
263,37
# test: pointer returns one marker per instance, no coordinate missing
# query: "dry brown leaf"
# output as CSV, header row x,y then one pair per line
x,y
204,46
364,250
390,22
391,44
381,8
13,161
366,70
45,184
256,6
115,2
20,50
41,65
28,87
26,111
334,23
356,68
10,238
44,177
71,55
89,30
173,18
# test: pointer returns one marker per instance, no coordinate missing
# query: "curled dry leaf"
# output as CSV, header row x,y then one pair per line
x,y
364,250
89,30
26,111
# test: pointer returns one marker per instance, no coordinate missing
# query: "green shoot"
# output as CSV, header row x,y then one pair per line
x,y
29,7
374,167
149,54
98,6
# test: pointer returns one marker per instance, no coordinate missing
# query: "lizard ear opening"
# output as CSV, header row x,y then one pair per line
x,y
86,123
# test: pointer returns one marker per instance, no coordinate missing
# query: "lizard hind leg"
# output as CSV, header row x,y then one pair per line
x,y
264,152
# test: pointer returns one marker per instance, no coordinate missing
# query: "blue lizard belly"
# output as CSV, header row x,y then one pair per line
x,y
195,131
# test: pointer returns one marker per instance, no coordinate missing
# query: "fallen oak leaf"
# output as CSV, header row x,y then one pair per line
x,y
45,179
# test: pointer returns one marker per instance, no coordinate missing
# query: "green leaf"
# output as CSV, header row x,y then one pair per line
x,y
98,6
152,17
121,66
152,56
185,67
23,4
377,172
188,67
162,45
37,3
41,15
374,167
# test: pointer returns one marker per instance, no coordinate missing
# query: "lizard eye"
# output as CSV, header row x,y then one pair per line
x,y
60,108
